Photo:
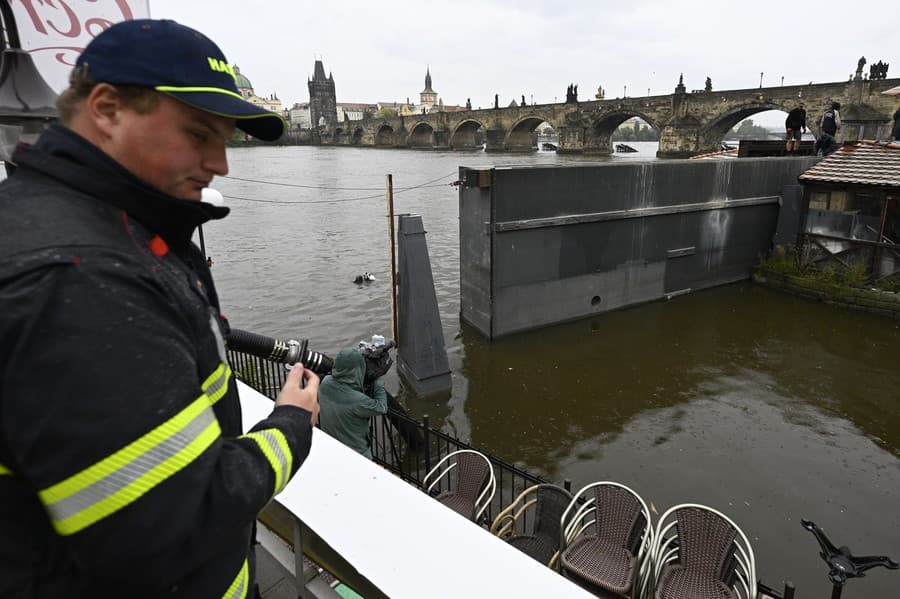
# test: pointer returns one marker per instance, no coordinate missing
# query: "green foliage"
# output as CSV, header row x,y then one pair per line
x,y
746,129
891,284
637,132
783,260
856,275
386,113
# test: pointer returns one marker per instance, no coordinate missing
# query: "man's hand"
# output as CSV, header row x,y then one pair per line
x,y
301,389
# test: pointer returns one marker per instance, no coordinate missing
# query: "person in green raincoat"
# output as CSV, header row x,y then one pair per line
x,y
345,409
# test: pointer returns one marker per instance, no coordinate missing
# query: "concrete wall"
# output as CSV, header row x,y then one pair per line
x,y
543,245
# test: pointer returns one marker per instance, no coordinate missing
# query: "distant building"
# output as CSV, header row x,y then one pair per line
x,y
428,98
298,116
349,111
322,98
428,101
272,103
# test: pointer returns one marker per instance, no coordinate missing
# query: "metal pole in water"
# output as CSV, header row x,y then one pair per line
x,y
390,201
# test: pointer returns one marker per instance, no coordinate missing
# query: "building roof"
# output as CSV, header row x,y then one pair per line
x,y
241,79
862,163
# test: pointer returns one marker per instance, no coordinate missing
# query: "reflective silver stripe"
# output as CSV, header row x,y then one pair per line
x,y
238,588
274,446
219,385
126,475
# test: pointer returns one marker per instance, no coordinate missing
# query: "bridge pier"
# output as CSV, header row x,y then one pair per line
x,y
597,144
571,140
682,141
441,139
494,140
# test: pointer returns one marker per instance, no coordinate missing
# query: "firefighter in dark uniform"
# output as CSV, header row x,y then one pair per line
x,y
124,471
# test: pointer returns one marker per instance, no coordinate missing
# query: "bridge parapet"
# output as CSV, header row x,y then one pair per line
x,y
688,123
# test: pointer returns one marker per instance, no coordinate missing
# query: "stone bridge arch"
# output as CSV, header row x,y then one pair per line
x,y
518,139
598,137
421,137
384,136
464,136
357,137
712,134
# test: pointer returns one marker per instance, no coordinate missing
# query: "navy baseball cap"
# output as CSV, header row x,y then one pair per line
x,y
179,62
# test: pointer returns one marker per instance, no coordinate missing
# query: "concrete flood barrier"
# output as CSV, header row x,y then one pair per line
x,y
544,245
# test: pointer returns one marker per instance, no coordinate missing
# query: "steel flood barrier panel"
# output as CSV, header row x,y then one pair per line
x,y
544,245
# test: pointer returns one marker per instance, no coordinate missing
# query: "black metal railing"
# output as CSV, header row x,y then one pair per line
x,y
410,455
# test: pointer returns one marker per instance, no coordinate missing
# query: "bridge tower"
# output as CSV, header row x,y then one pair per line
x,y
428,97
322,99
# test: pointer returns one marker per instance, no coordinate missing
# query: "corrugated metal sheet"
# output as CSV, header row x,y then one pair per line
x,y
863,163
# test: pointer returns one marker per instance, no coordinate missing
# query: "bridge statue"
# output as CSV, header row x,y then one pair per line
x,y
708,87
497,101
859,67
600,93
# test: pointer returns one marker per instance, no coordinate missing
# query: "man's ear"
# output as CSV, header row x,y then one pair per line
x,y
103,108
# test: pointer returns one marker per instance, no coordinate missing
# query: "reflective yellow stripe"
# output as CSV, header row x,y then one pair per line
x,y
216,385
5,471
125,476
214,90
166,88
238,588
274,446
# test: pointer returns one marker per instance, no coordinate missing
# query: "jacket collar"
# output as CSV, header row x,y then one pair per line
x,y
62,154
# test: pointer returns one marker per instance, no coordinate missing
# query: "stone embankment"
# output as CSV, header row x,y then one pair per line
x,y
874,301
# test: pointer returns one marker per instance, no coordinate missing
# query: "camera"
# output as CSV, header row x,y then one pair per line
x,y
377,356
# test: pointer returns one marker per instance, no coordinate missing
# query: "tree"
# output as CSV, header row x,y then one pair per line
x,y
747,130
386,113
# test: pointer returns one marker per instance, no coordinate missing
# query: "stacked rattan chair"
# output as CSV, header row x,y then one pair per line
x,y
606,540
469,480
699,553
532,522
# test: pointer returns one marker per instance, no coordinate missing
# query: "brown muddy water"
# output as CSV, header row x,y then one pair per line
x,y
767,407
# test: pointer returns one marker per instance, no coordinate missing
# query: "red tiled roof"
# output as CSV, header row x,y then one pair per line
x,y
862,163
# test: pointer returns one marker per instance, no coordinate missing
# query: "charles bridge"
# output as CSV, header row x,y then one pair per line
x,y
688,123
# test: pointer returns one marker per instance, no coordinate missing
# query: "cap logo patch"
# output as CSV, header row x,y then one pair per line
x,y
220,66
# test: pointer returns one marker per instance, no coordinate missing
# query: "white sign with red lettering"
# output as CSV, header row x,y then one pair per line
x,y
55,32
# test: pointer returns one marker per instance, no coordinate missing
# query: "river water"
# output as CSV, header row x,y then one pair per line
x,y
767,407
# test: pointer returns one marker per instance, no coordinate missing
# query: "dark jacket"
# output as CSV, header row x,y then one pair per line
x,y
796,119
123,471
831,121
344,410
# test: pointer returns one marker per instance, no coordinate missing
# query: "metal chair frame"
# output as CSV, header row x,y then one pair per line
x,y
504,523
582,519
665,550
484,498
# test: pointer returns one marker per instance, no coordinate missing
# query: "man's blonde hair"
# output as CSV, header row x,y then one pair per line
x,y
139,99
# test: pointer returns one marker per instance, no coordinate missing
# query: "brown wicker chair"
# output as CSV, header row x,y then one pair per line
x,y
699,553
470,480
606,540
543,505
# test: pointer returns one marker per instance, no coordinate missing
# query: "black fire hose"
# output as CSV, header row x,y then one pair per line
x,y
278,350
292,351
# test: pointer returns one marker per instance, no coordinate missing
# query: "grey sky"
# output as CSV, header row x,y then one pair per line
x,y
378,51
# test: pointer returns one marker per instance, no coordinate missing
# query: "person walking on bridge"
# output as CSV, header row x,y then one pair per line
x,y
123,468
830,125
795,124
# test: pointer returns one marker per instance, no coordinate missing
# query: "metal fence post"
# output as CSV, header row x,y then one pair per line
x,y
427,426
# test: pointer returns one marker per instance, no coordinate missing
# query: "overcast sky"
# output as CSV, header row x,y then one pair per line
x,y
378,51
